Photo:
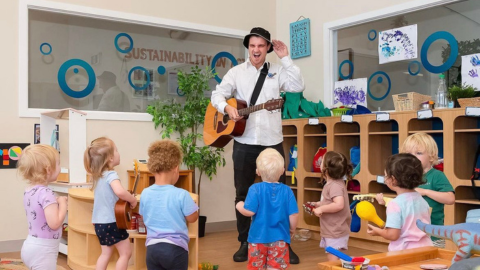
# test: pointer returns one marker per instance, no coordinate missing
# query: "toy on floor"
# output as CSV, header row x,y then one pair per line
x,y
434,266
207,266
366,210
465,235
338,253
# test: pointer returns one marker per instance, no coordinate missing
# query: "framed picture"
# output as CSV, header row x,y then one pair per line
x,y
36,135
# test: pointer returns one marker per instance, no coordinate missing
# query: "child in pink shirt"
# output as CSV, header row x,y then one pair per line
x,y
403,173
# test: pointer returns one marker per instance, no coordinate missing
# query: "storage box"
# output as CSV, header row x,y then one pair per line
x,y
409,101
469,102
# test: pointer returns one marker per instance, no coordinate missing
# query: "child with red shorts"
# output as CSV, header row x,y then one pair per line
x,y
274,213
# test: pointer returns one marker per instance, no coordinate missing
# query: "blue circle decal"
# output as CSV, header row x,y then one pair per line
x,y
218,56
48,45
374,35
379,80
161,70
138,88
127,50
180,92
419,67
63,83
453,52
340,70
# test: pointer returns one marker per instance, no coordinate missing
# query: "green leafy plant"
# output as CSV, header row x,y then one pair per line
x,y
186,120
461,91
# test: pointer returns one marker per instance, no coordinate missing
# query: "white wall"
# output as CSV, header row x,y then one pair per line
x,y
132,138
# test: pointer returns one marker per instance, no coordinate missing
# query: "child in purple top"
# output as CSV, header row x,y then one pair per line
x,y
40,164
403,173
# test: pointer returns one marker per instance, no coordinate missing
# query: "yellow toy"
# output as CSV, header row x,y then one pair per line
x,y
365,210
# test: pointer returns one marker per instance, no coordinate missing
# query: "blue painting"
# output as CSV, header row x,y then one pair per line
x,y
397,44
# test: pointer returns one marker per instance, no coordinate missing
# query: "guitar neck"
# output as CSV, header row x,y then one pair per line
x,y
251,109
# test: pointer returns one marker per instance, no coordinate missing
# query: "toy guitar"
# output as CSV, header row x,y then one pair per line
x,y
370,197
309,207
123,212
219,129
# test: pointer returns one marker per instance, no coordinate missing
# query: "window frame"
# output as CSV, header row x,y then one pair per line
x,y
330,36
89,12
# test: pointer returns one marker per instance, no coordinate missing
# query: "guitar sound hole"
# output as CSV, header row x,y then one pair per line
x,y
225,119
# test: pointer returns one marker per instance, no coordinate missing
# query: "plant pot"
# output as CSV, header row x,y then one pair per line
x,y
202,220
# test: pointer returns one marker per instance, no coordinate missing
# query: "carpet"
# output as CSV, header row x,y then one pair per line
x,y
16,264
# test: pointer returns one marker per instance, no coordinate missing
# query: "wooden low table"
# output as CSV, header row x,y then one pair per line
x,y
402,260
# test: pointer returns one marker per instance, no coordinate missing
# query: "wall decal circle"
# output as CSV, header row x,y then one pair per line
x,y
62,71
138,88
180,92
161,70
127,50
340,70
379,80
218,56
453,52
419,67
49,48
374,35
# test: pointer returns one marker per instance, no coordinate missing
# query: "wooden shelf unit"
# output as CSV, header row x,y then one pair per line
x,y
84,247
457,137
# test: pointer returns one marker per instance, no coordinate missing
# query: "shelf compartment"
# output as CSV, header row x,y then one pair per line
x,y
317,130
381,127
287,144
346,127
288,181
461,210
311,145
313,182
94,249
289,130
344,143
311,196
464,151
425,125
375,187
77,251
466,194
380,147
466,123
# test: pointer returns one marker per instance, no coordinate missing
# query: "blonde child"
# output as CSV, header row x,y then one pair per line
x,y
40,164
437,190
100,158
403,174
166,209
274,213
332,209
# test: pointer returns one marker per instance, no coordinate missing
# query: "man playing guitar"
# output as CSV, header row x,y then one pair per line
x,y
263,129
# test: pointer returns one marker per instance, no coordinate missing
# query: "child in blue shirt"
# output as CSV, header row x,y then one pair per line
x,y
274,213
166,209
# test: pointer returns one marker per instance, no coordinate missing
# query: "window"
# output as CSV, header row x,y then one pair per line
x,y
357,40
103,64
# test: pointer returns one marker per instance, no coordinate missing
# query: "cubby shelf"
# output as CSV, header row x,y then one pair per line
x,y
457,137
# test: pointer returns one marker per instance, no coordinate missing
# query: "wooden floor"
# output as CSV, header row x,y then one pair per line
x,y
218,248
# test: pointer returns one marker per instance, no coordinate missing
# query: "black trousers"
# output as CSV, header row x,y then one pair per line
x,y
165,256
244,165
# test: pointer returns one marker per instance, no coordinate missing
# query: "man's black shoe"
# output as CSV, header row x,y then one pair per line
x,y
242,254
293,257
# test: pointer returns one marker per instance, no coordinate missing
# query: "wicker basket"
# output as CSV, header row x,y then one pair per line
x,y
409,101
340,111
469,102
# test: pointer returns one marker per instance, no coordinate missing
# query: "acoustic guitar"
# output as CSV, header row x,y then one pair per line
x,y
219,129
123,212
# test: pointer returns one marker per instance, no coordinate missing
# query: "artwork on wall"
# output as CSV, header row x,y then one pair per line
x,y
300,38
10,153
470,70
350,92
397,44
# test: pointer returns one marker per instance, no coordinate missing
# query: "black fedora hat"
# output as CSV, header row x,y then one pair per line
x,y
260,32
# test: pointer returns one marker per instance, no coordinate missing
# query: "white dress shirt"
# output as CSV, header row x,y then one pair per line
x,y
263,127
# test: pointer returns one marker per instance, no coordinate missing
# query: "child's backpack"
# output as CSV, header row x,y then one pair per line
x,y
293,158
476,174
355,155
317,159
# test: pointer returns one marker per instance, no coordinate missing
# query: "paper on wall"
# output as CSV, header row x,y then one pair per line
x,y
397,44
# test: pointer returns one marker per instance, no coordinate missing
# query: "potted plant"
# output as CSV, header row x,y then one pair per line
x,y
460,91
186,120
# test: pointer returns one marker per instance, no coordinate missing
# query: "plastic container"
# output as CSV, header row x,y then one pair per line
x,y
441,92
351,265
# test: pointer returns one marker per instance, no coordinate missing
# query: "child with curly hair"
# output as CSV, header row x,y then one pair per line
x,y
403,173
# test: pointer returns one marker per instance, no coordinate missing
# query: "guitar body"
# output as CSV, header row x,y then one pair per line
x,y
123,214
218,130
